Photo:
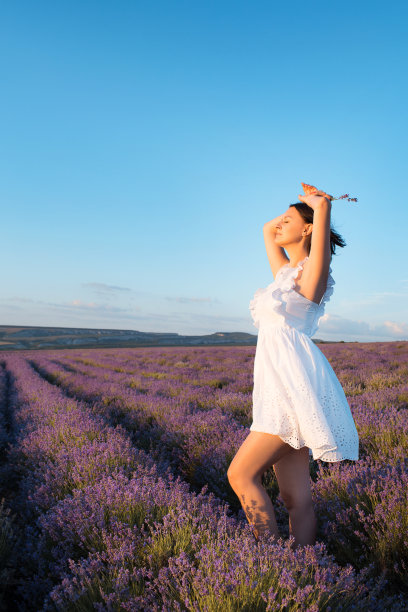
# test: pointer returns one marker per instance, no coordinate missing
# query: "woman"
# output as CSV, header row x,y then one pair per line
x,y
299,406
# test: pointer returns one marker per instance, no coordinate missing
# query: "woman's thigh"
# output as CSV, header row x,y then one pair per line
x,y
258,452
293,474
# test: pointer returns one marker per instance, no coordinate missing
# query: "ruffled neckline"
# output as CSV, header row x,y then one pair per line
x,y
301,263
288,282
284,284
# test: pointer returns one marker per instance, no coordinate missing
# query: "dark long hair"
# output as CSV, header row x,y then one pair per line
x,y
307,214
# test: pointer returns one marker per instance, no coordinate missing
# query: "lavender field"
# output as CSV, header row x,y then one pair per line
x,y
115,494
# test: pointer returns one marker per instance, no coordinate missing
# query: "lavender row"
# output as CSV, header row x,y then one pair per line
x,y
199,435
66,455
8,531
358,514
379,414
373,373
106,529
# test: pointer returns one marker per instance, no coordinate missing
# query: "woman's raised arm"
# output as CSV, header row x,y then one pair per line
x,y
320,252
276,254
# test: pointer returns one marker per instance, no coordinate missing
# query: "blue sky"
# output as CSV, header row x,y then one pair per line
x,y
144,145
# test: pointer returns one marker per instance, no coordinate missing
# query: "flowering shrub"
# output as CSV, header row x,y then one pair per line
x,y
122,502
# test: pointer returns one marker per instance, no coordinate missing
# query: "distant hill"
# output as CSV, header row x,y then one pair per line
x,y
13,337
24,337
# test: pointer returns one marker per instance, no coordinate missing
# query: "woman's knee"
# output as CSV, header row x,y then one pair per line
x,y
297,503
240,477
292,473
234,474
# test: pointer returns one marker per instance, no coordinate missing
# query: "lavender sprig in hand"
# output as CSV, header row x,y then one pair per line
x,y
345,196
310,189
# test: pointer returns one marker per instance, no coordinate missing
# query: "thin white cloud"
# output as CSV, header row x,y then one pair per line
x,y
331,324
376,298
104,288
188,300
17,299
397,329
91,306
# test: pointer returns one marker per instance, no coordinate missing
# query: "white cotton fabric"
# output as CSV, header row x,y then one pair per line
x,y
296,393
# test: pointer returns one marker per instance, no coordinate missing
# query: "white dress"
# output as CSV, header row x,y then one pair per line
x,y
296,393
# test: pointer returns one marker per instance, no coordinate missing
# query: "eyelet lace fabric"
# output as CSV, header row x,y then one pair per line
x,y
296,393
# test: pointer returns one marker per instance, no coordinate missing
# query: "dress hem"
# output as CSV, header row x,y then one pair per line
x,y
311,453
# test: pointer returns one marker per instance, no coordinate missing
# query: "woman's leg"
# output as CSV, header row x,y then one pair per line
x,y
257,453
293,474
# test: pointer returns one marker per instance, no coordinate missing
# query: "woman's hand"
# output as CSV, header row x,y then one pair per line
x,y
273,225
316,199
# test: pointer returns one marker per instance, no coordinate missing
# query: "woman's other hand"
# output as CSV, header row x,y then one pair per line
x,y
314,200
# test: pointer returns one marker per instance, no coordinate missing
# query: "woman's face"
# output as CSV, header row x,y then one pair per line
x,y
290,227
